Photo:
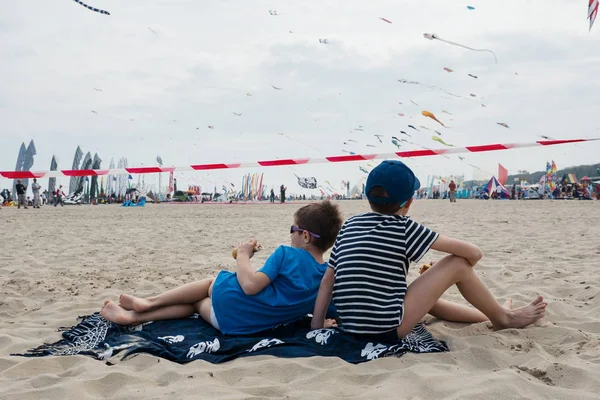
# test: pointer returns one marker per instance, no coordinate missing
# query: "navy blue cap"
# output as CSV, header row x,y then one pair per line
x,y
396,178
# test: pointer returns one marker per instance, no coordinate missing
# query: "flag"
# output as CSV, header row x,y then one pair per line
x,y
502,174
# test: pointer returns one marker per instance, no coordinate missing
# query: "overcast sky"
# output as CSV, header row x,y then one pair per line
x,y
159,72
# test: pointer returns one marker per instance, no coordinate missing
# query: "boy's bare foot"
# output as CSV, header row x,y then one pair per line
x,y
524,316
134,303
116,314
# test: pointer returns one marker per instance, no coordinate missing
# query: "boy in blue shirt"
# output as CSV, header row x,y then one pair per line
x,y
249,301
370,259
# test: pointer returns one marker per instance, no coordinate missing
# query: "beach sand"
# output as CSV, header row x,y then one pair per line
x,y
59,263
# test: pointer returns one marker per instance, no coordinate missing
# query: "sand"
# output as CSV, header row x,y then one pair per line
x,y
58,263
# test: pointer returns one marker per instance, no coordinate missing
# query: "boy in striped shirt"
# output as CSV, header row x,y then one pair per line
x,y
370,259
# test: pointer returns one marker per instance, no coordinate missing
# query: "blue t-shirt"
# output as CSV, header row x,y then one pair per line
x,y
295,279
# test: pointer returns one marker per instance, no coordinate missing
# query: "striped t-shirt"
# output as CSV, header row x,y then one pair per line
x,y
370,258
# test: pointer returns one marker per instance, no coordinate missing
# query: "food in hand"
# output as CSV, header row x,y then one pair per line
x,y
424,268
234,251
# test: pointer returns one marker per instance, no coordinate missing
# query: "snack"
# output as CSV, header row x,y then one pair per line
x,y
234,251
424,268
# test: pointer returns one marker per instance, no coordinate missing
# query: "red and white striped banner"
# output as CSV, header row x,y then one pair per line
x,y
289,161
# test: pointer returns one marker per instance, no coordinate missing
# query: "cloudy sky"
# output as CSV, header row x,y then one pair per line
x,y
157,73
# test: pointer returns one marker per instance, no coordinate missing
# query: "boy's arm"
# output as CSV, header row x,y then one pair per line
x,y
251,281
458,248
323,299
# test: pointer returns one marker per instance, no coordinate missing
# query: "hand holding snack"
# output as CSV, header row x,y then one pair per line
x,y
425,267
249,247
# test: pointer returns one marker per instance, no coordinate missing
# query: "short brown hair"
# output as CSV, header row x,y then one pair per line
x,y
323,218
388,209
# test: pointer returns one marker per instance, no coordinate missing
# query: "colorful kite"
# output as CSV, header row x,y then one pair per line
x,y
385,20
592,12
448,69
92,8
440,140
430,115
470,7
432,36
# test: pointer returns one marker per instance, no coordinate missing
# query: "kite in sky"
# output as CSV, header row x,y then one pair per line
x,y
470,7
592,12
502,124
379,138
472,76
237,114
440,140
276,88
324,41
308,182
448,69
385,20
273,12
432,36
430,115
410,126
92,8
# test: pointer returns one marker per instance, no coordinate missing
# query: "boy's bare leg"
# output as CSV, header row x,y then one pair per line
x,y
189,293
114,313
425,291
454,312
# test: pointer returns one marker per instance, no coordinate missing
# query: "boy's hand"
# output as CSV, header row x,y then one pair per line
x,y
247,248
330,323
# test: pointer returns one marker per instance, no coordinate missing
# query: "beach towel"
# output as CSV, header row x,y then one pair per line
x,y
190,339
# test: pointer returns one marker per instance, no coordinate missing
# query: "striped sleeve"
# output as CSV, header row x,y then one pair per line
x,y
419,240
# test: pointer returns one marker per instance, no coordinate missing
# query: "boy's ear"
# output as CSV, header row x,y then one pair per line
x,y
408,203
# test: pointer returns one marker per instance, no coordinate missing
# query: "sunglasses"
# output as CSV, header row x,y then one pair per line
x,y
298,229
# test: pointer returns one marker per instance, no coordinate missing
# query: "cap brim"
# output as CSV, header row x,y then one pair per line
x,y
417,184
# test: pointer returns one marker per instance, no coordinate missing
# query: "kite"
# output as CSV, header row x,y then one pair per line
x,y
351,140
404,133
472,95
324,41
592,12
349,152
472,76
430,87
95,112
360,128
470,7
92,8
447,112
97,90
248,94
503,124
438,133
153,31
307,183
401,115
273,12
379,138
448,69
371,145
424,127
432,36
385,20
396,143
430,115
237,114
276,88
410,126
461,158
363,170
440,140
211,127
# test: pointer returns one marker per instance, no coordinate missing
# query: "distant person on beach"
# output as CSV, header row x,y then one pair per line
x,y
21,190
370,259
248,301
58,197
452,194
35,188
272,196
282,190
